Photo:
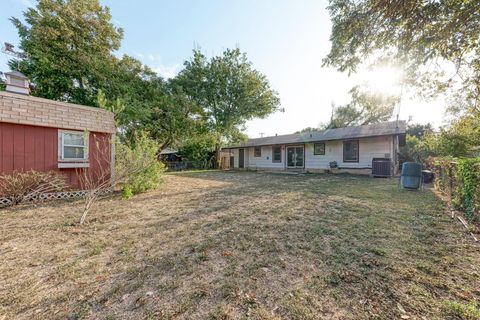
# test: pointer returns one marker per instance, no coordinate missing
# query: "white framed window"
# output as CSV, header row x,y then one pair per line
x,y
72,145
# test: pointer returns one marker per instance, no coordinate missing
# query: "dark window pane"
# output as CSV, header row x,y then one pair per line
x,y
277,154
350,151
257,152
291,157
319,149
73,152
76,139
299,157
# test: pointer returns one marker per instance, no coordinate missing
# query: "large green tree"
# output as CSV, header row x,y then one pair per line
x,y
145,102
68,46
199,148
436,42
419,130
68,50
173,116
459,139
228,90
365,108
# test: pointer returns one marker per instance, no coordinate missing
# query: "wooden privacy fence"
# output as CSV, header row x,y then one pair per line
x,y
459,181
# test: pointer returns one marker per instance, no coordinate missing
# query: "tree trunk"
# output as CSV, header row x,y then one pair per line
x,y
217,155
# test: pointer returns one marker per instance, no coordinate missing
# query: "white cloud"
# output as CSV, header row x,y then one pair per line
x,y
154,61
167,71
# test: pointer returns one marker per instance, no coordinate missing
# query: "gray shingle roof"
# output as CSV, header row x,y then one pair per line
x,y
373,130
168,151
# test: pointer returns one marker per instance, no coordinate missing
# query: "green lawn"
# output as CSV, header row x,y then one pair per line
x,y
242,245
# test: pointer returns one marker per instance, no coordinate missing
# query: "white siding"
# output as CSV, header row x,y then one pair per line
x,y
265,161
369,148
235,158
235,154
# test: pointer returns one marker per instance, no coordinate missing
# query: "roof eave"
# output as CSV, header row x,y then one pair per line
x,y
311,141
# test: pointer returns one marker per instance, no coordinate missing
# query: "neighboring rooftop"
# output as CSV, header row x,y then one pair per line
x,y
168,151
373,130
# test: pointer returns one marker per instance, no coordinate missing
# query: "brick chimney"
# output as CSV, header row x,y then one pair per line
x,y
17,82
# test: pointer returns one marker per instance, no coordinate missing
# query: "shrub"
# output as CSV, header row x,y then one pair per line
x,y
24,185
459,180
137,169
199,149
141,155
468,196
127,193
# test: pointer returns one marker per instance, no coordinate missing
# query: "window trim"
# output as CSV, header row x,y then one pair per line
x,y
319,154
358,151
61,146
259,155
273,154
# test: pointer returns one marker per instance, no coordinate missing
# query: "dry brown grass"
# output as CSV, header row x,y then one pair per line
x,y
240,245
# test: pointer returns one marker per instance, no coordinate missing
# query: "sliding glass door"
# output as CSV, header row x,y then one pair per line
x,y
295,157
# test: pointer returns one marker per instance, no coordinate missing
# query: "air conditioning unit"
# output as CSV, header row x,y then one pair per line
x,y
381,167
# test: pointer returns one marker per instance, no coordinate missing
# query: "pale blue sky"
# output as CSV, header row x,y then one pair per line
x,y
285,39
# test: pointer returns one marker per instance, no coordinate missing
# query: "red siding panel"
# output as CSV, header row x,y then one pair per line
x,y
18,147
51,153
25,147
29,150
39,142
7,147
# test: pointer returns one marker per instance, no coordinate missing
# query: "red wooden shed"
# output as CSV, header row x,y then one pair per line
x,y
43,135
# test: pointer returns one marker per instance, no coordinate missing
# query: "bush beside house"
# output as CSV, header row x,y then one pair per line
x,y
459,180
143,155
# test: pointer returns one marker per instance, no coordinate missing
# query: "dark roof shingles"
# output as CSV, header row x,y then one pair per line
x,y
373,130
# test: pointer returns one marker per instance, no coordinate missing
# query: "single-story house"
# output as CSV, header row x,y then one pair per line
x,y
43,135
355,149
